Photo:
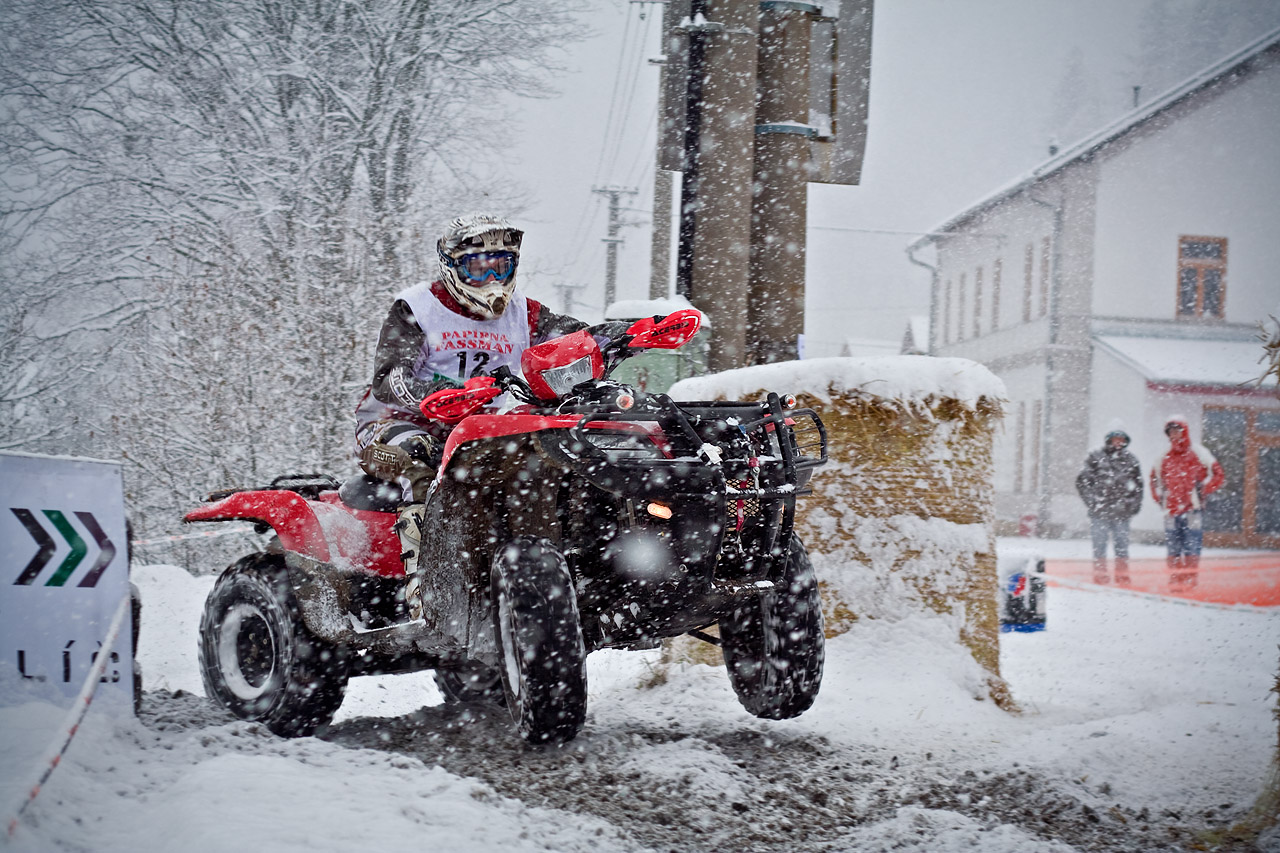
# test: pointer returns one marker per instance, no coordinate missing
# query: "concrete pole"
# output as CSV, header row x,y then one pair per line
x,y
660,252
720,255
663,181
778,213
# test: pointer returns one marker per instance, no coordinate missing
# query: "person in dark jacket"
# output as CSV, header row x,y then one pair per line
x,y
1110,484
471,319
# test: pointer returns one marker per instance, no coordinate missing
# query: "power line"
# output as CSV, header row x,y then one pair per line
x,y
644,161
615,135
613,96
907,233
636,67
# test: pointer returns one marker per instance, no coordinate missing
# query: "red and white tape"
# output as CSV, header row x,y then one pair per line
x,y
53,756
203,534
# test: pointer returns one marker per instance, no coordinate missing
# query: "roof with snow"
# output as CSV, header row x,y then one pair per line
x,y
916,380
1118,128
1188,362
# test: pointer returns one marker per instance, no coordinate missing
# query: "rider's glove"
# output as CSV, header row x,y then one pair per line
x,y
423,448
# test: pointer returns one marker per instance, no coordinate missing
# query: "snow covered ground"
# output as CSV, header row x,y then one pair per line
x,y
1144,722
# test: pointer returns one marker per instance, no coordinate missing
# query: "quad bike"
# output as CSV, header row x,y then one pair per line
x,y
588,516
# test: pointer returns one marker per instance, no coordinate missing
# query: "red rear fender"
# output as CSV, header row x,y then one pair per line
x,y
287,512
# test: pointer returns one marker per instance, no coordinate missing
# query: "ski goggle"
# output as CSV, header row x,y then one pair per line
x,y
485,265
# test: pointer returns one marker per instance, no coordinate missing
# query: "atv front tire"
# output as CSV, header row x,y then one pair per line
x,y
257,657
774,645
536,623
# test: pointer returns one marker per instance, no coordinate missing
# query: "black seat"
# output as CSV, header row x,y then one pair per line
x,y
370,493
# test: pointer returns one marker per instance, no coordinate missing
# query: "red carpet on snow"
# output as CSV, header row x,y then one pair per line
x,y
1251,579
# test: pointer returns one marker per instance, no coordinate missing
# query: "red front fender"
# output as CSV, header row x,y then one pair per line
x,y
287,512
477,427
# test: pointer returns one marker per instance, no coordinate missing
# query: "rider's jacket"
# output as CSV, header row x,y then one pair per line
x,y
429,341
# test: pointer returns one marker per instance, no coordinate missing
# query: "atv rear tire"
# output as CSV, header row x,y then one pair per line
x,y
258,659
774,646
536,624
473,682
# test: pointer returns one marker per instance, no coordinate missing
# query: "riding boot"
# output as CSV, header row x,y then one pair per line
x,y
409,527
1122,571
1100,570
1175,571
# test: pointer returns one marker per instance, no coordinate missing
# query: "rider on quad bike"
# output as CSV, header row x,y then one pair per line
x,y
468,322
587,515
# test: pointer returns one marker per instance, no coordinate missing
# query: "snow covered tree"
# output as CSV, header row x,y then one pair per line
x,y
261,175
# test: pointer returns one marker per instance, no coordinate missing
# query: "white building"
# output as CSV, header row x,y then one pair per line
x,y
1126,278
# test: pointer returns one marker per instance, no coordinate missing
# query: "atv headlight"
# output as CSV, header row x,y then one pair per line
x,y
563,378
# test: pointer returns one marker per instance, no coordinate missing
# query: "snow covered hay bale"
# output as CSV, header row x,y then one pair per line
x,y
901,519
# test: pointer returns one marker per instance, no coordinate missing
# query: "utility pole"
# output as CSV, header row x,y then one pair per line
x,y
660,251
715,192
611,262
775,314
759,98
660,246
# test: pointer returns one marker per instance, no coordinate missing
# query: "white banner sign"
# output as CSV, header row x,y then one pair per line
x,y
63,571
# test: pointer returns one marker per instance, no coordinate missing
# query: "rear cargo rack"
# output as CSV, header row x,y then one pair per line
x,y
309,486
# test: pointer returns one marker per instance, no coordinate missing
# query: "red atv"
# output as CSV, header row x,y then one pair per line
x,y
589,516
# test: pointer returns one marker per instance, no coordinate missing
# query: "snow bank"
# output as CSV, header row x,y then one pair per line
x,y
1145,722
917,381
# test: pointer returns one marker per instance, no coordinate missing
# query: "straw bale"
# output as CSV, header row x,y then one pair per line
x,y
901,519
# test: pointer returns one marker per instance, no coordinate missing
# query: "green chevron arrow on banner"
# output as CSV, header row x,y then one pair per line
x,y
78,548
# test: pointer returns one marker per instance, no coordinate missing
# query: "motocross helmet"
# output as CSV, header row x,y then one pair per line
x,y
479,253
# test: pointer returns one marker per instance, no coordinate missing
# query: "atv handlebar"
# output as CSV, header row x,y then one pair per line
x,y
451,405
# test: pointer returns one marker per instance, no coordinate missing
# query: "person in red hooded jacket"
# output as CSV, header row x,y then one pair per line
x,y
1180,482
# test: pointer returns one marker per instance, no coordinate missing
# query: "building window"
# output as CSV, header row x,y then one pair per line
x,y
996,270
1202,276
977,303
1020,451
1028,265
960,309
946,313
1035,428
1045,263
1245,512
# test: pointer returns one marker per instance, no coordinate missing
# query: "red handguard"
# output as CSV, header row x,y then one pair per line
x,y
670,332
453,404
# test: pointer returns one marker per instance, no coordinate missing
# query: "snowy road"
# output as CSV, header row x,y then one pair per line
x,y
1145,722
